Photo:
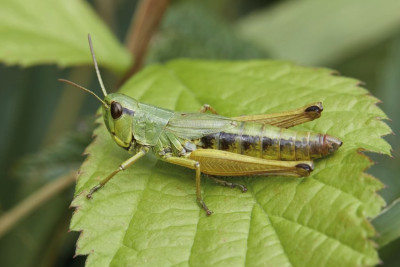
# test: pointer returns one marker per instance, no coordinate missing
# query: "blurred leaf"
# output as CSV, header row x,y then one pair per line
x,y
388,91
380,67
321,32
32,236
148,215
29,98
59,159
55,32
387,224
194,39
390,254
366,66
29,240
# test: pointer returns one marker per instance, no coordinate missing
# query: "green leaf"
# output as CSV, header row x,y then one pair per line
x,y
57,32
148,215
321,32
64,156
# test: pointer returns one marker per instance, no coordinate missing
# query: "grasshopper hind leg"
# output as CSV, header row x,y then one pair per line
x,y
287,119
226,183
221,163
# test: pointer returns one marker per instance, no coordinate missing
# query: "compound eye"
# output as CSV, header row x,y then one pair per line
x,y
116,110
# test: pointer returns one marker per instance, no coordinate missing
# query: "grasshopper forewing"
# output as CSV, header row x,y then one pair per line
x,y
213,144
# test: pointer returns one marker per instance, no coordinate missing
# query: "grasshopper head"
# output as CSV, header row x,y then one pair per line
x,y
118,110
118,115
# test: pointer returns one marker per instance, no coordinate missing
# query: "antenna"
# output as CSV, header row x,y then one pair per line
x,y
84,89
96,67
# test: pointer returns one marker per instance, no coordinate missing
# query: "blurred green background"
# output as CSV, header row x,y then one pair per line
x,y
45,126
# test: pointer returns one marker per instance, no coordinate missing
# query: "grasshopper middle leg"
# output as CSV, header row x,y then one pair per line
x,y
192,164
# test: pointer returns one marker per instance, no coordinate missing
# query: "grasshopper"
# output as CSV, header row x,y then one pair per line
x,y
212,144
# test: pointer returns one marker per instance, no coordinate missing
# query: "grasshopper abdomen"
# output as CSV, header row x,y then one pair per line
x,y
269,142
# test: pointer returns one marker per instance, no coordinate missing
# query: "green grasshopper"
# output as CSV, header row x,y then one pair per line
x,y
212,144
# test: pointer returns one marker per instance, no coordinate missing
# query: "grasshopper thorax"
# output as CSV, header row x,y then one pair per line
x,y
118,115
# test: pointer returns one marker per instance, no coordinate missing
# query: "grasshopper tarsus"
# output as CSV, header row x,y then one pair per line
x,y
244,189
91,192
226,183
204,206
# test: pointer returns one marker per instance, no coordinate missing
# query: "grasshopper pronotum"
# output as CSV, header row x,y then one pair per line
x,y
213,144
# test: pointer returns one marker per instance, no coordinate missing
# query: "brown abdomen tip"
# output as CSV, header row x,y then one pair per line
x,y
332,143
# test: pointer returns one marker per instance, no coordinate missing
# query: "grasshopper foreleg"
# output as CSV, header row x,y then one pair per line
x,y
122,167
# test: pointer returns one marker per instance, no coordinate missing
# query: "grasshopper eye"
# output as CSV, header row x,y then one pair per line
x,y
116,110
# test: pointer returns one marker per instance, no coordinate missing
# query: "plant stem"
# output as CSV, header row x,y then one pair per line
x,y
10,218
145,22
